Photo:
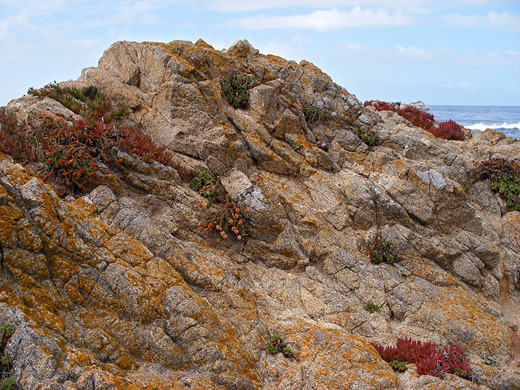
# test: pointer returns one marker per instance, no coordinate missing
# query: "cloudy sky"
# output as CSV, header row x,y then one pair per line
x,y
460,52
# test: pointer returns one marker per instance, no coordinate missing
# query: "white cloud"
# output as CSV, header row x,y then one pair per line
x,y
459,86
326,20
148,20
298,39
394,55
493,20
83,44
440,55
413,53
413,6
508,58
4,27
352,47
39,7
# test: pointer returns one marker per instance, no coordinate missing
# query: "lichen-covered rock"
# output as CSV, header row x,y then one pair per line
x,y
123,288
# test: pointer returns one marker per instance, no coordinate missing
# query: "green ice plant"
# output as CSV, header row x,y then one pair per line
x,y
236,88
8,384
372,307
312,114
6,331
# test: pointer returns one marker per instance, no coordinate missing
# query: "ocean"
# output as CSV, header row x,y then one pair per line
x,y
479,118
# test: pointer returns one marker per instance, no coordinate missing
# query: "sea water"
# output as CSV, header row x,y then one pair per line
x,y
479,118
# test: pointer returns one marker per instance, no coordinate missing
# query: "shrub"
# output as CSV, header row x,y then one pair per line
x,y
236,88
428,357
504,178
446,130
72,153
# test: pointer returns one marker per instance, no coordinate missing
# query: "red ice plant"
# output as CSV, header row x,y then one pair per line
x,y
428,357
446,130
72,151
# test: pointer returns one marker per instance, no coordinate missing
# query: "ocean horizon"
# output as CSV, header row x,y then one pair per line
x,y
479,118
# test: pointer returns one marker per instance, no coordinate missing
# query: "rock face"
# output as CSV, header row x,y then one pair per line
x,y
119,289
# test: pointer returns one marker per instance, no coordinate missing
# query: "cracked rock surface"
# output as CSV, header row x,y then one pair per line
x,y
118,289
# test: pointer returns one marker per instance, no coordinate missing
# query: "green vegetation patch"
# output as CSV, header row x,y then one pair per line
x,y
236,86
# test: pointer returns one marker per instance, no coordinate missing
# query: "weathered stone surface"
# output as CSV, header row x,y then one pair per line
x,y
119,288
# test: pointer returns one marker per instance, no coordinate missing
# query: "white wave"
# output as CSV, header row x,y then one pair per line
x,y
483,126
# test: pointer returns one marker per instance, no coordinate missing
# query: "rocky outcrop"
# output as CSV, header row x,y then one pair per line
x,y
119,289
420,105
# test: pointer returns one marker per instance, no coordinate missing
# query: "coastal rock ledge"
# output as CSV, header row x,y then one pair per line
x,y
120,288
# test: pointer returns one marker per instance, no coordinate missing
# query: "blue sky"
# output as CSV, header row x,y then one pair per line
x,y
441,52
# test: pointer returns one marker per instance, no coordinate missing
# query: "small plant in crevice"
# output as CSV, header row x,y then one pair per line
x,y
287,351
277,345
207,186
504,179
368,137
427,356
6,382
6,331
236,87
312,114
398,366
227,219
381,250
372,307
223,217
465,187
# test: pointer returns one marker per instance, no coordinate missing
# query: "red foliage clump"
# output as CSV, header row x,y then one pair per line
x,y
428,357
412,351
387,353
434,365
446,130
72,153
494,167
133,141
